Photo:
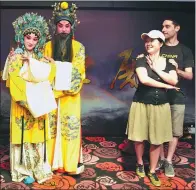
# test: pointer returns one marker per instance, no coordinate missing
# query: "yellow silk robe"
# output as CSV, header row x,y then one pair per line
x,y
33,127
33,158
67,117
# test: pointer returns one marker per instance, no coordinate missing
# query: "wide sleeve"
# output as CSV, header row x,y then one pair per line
x,y
17,89
78,71
15,83
52,74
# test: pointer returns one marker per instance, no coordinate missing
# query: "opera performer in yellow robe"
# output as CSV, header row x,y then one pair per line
x,y
65,149
28,133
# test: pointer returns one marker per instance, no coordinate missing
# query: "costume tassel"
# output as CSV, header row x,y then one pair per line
x,y
22,138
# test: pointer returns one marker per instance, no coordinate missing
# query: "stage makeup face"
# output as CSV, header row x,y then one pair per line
x,y
30,41
63,27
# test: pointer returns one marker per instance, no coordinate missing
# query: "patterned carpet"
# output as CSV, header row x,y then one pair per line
x,y
106,167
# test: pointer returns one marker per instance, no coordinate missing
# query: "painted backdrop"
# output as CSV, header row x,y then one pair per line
x,y
112,41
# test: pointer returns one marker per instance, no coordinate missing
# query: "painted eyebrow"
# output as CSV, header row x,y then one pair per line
x,y
28,35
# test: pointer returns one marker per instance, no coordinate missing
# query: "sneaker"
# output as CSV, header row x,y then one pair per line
x,y
169,169
154,179
160,164
140,170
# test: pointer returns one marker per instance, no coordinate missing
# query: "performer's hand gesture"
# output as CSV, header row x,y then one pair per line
x,y
49,59
25,59
11,55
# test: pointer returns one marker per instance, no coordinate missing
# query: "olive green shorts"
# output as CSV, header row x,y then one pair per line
x,y
177,115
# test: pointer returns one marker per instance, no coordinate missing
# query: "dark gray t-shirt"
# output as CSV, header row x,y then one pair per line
x,y
184,57
147,94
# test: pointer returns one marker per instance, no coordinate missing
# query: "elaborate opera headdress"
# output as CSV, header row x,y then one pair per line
x,y
31,23
62,11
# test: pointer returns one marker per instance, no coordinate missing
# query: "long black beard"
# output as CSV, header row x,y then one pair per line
x,y
62,47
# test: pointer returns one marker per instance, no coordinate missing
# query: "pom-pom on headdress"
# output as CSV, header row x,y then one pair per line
x,y
62,11
31,23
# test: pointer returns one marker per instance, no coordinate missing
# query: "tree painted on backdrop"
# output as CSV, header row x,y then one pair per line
x,y
126,71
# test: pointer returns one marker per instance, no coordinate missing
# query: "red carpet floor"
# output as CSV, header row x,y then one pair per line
x,y
106,167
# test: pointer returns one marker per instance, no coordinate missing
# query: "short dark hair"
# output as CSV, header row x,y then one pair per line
x,y
160,40
175,22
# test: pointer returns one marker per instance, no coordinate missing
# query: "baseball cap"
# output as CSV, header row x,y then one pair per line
x,y
153,34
